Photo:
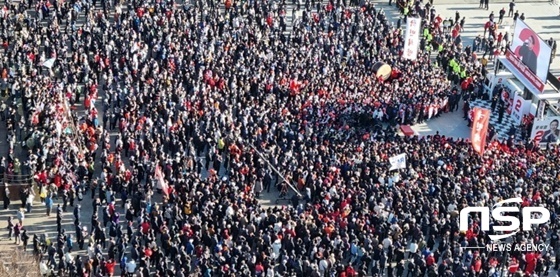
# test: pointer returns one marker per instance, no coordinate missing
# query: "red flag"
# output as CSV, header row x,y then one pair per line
x,y
162,183
479,129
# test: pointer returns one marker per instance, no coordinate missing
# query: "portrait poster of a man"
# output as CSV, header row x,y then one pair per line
x,y
528,55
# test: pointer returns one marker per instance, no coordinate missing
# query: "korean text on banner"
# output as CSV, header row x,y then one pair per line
x,y
479,129
546,131
520,108
412,38
398,161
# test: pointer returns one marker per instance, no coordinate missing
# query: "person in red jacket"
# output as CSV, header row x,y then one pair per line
x,y
259,269
531,259
470,233
145,227
110,267
513,266
350,272
430,260
477,265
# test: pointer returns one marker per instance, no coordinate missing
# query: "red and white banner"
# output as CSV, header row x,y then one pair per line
x,y
508,93
162,183
530,55
479,130
520,108
546,130
525,71
412,38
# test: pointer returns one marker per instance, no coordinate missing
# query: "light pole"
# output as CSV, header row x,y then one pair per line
x,y
504,261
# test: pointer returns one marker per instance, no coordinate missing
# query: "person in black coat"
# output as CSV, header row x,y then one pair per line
x,y
6,198
411,269
494,102
528,55
80,236
501,111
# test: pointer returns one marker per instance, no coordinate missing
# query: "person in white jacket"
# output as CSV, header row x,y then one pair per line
x,y
29,202
91,251
276,246
44,268
270,272
413,248
323,266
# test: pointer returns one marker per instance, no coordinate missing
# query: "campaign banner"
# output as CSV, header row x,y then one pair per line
x,y
546,130
529,54
412,38
509,90
398,161
520,108
479,129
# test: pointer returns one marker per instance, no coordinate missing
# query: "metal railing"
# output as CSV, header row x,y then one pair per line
x,y
17,179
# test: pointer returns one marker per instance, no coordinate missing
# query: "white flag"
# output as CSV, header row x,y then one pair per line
x,y
412,38
49,63
398,161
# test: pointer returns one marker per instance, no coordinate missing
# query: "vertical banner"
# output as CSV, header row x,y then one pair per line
x,y
479,129
412,38
507,97
510,90
520,108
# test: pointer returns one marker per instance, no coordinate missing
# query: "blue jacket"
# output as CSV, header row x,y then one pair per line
x,y
48,201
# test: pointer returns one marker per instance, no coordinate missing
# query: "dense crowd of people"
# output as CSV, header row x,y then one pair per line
x,y
189,112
